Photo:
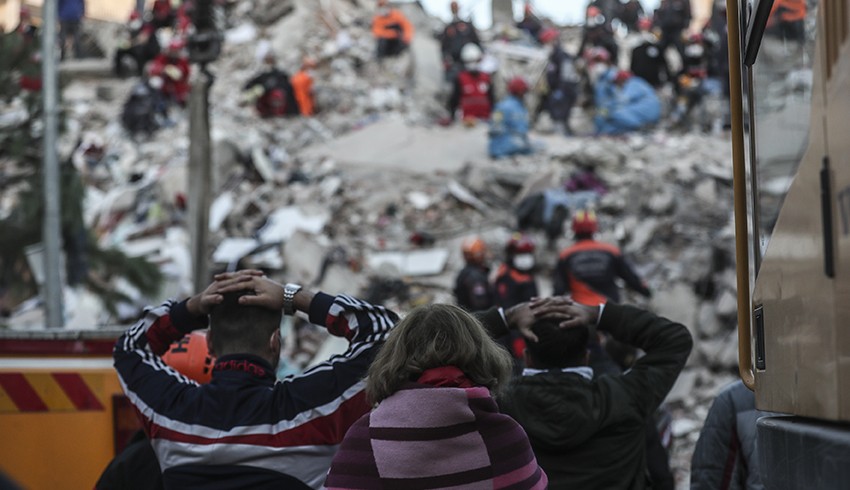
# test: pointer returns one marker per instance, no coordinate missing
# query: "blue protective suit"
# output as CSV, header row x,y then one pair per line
x,y
623,109
509,129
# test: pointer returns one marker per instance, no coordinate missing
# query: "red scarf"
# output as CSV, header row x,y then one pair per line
x,y
446,376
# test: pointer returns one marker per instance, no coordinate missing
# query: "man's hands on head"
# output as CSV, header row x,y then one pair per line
x,y
202,303
563,308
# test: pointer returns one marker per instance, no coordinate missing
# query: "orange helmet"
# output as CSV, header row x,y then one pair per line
x,y
190,357
584,222
474,250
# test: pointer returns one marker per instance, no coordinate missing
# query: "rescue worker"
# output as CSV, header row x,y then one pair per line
x,y
562,83
271,92
302,87
624,103
457,34
145,111
631,12
587,270
530,23
22,56
392,30
509,123
472,286
515,282
597,33
672,17
163,14
648,61
694,83
172,67
472,93
787,20
138,48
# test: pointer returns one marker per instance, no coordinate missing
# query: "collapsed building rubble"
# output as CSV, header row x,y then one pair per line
x,y
342,201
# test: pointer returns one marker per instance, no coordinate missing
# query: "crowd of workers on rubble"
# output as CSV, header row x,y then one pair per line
x,y
621,74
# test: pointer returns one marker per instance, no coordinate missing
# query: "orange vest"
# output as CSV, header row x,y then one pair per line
x,y
302,87
387,26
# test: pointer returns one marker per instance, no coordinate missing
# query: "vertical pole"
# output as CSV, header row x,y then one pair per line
x,y
52,235
200,178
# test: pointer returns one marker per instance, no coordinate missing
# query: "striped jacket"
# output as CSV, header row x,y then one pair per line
x,y
244,429
428,437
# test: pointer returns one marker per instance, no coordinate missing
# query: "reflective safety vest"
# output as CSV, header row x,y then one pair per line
x,y
474,90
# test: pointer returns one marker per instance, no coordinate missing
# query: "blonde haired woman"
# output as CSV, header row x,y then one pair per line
x,y
436,423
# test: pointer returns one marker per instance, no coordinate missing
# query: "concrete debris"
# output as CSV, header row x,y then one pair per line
x,y
413,263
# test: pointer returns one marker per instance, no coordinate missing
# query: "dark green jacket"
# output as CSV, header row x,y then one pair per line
x,y
591,434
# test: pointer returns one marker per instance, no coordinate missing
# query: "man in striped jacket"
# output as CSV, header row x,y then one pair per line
x,y
245,429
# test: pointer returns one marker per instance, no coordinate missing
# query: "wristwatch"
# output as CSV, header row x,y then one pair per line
x,y
288,296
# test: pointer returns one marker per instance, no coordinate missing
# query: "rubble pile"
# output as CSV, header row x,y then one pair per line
x,y
371,197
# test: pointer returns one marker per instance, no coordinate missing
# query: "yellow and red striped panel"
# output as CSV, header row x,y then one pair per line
x,y
51,392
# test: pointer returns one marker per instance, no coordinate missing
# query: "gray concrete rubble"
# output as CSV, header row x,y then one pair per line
x,y
372,190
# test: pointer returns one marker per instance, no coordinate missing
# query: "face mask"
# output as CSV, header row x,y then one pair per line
x,y
524,262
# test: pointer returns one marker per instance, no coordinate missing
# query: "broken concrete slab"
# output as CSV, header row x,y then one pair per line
x,y
389,144
413,263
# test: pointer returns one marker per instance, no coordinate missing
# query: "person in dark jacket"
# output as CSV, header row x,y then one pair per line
x,y
245,429
587,432
598,33
457,34
472,285
71,13
630,14
562,83
272,91
587,270
648,61
514,284
138,48
673,17
726,454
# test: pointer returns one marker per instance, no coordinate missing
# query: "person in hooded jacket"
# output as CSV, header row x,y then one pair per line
x,y
457,34
472,286
726,454
590,432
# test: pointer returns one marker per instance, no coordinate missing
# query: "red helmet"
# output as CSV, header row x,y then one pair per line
x,y
134,15
190,357
622,76
593,11
519,244
176,44
474,250
517,86
597,54
584,222
644,23
696,37
549,35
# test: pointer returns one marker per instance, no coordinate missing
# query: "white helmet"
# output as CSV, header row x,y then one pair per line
x,y
471,53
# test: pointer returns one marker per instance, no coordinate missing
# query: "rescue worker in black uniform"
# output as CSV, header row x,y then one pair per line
x,y
648,61
562,83
673,17
457,34
272,91
598,33
515,282
472,286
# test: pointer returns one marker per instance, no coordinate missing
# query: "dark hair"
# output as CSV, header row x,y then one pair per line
x,y
434,336
557,347
237,328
